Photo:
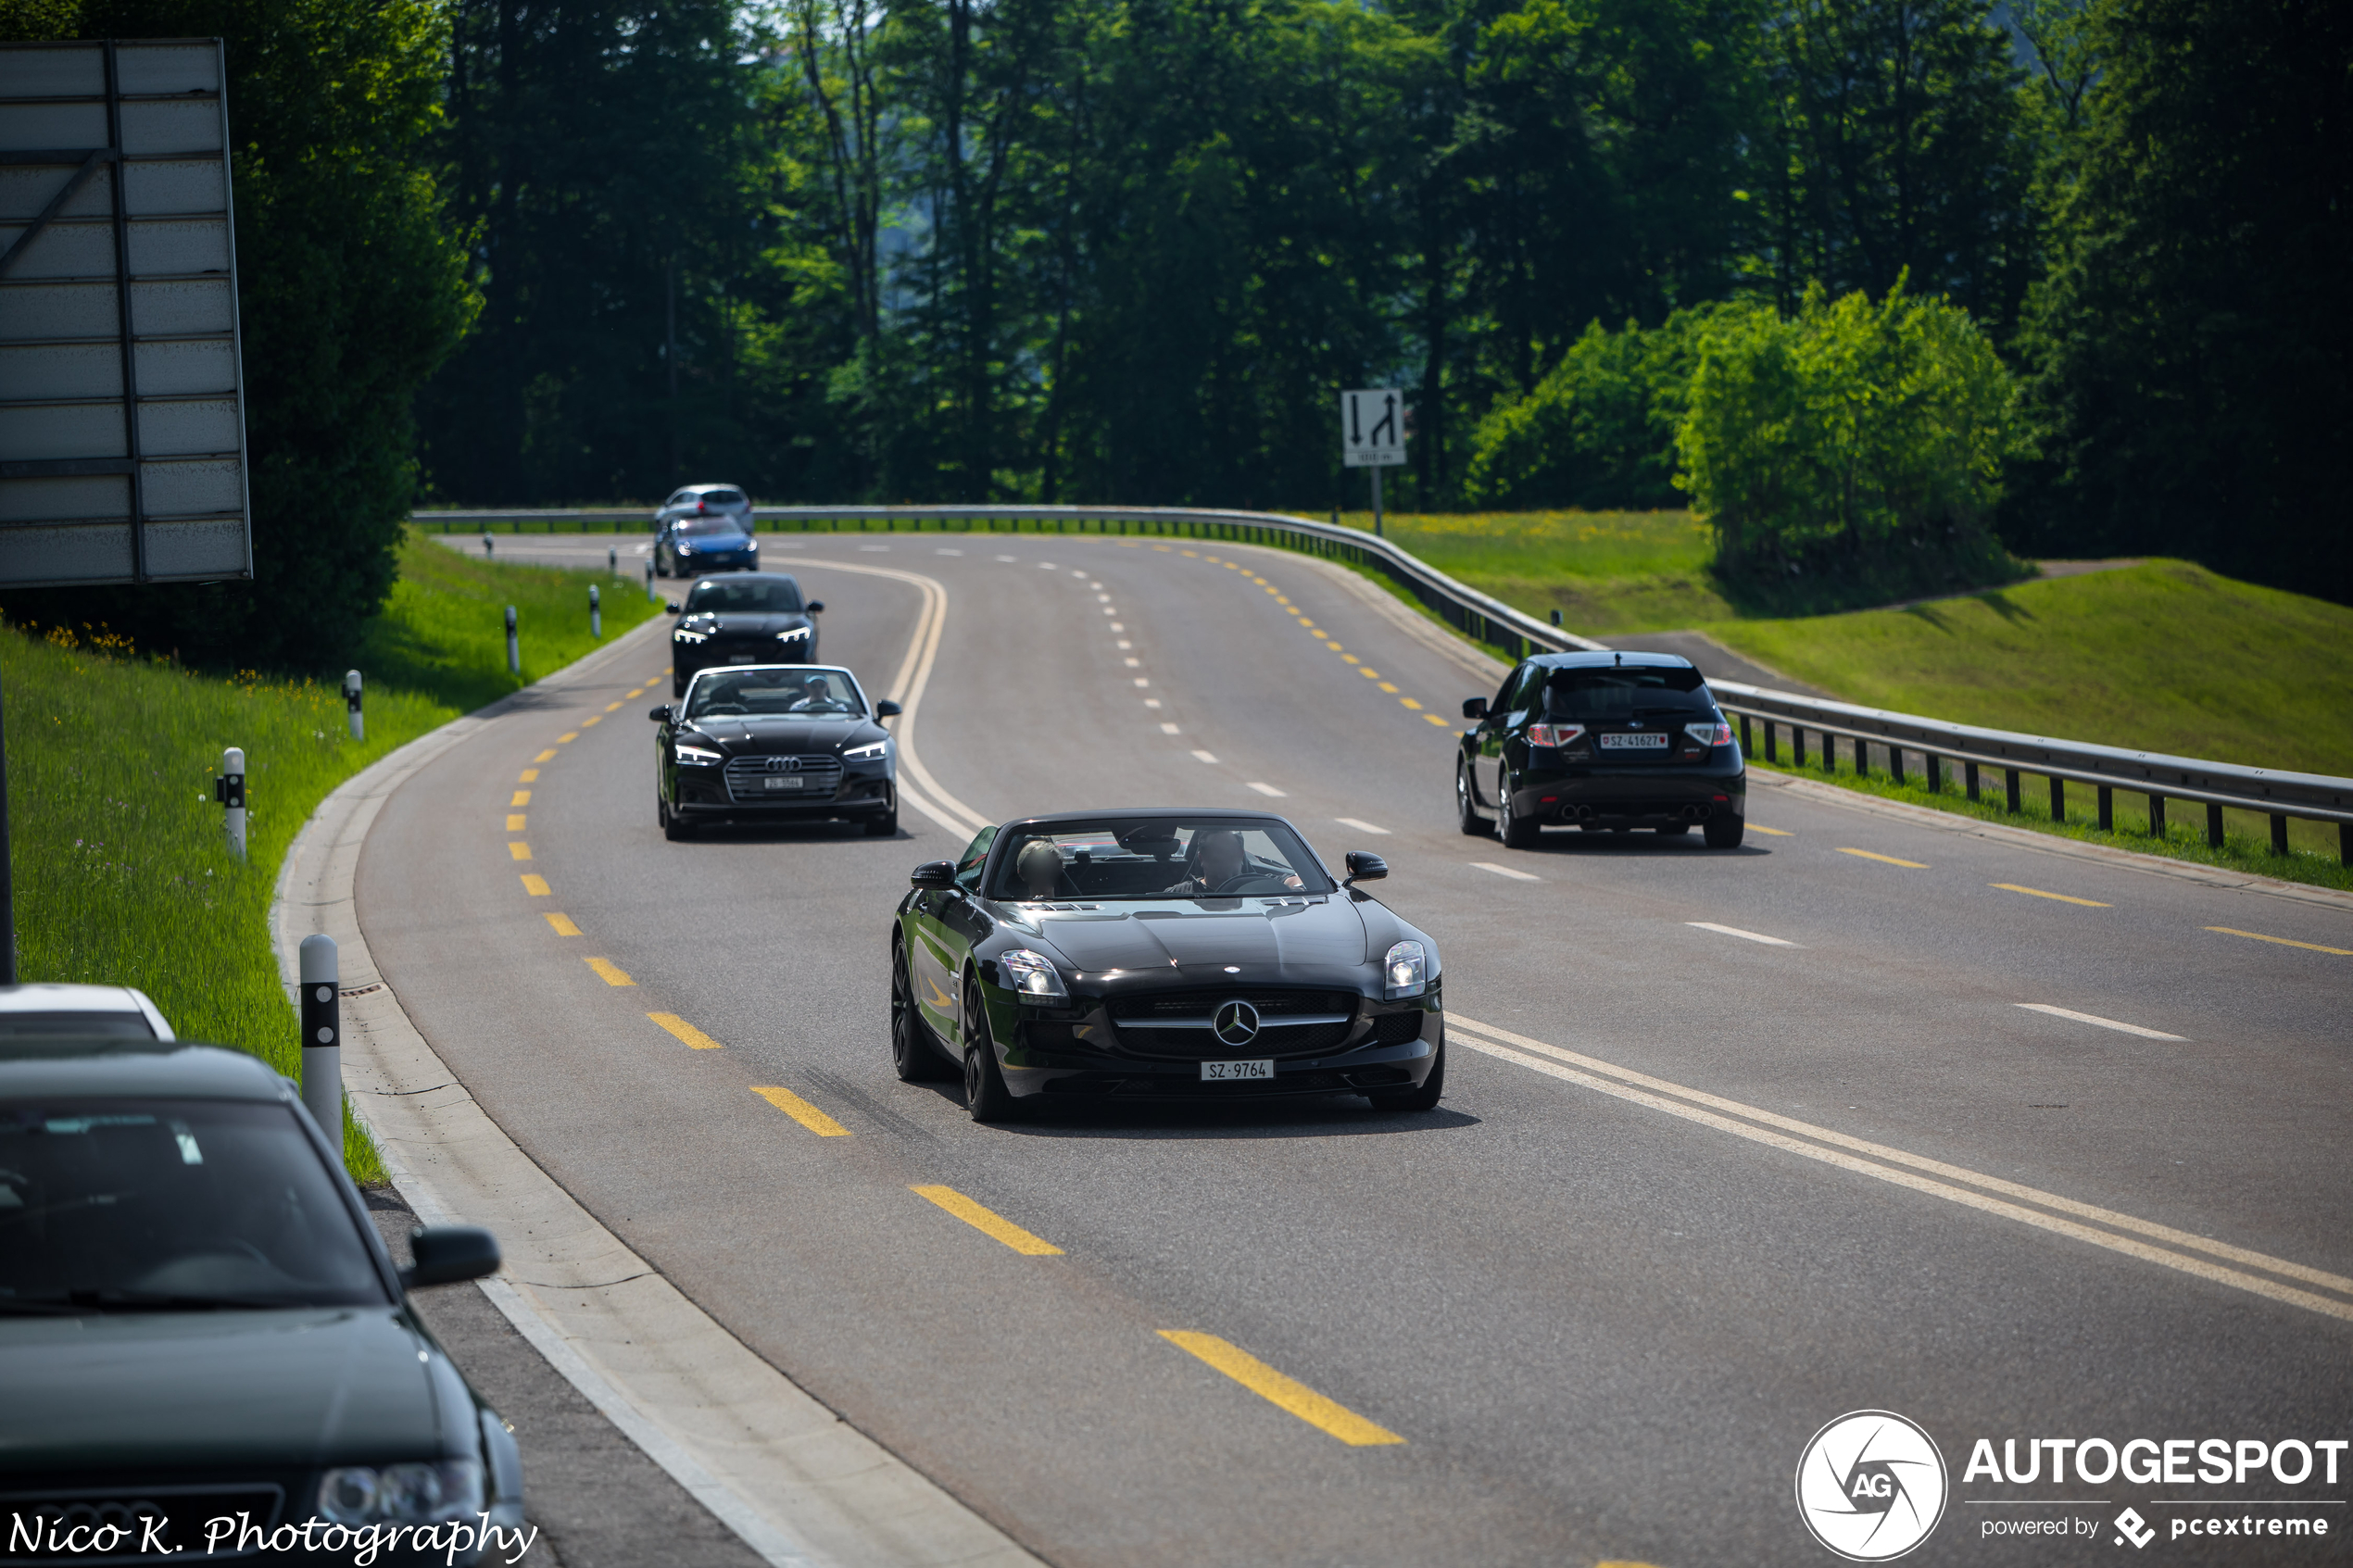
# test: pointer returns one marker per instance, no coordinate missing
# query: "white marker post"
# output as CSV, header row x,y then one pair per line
x,y
230,790
515,648
612,560
650,580
486,551
595,615
352,701
1372,435
322,1036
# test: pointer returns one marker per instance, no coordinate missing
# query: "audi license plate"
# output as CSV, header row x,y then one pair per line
x,y
785,781
742,658
1233,1071
1634,743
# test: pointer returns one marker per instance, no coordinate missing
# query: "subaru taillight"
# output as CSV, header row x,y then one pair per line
x,y
1710,734
1555,734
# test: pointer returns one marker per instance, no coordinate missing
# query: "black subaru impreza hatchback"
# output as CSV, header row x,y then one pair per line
x,y
1601,741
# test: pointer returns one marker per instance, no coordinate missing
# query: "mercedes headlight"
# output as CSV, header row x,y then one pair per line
x,y
702,756
1405,972
1033,977
874,750
402,1494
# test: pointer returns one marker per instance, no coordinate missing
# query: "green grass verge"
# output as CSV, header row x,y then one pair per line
x,y
122,870
1606,572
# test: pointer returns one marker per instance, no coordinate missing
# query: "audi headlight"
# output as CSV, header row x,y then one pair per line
x,y
682,636
797,635
402,1494
1405,972
1033,977
874,750
698,756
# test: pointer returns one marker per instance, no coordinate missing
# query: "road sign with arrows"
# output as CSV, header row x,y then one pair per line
x,y
1372,428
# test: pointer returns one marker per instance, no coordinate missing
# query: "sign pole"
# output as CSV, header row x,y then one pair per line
x,y
1377,528
8,879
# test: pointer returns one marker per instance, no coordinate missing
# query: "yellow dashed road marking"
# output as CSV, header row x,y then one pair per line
x,y
2062,897
563,925
988,1223
547,756
684,1031
612,707
801,1112
568,737
529,776
514,822
1890,859
521,797
634,695
592,719
608,972
1287,1393
1776,833
1442,723
535,886
2282,941
1411,703
518,849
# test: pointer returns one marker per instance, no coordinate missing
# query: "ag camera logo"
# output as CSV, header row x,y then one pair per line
x,y
1871,1485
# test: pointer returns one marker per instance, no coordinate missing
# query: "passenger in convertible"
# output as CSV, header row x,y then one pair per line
x,y
1218,858
1040,869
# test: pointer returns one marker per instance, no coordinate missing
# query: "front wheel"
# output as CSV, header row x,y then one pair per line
x,y
1424,1098
986,1096
912,1056
1724,832
1466,815
887,824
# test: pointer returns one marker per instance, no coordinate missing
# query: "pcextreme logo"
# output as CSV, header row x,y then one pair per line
x,y
1871,1485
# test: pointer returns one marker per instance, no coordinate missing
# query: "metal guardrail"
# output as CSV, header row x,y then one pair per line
x,y
2277,795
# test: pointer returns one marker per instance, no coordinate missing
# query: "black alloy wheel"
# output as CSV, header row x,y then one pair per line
x,y
1518,832
1724,832
1424,1098
986,1096
887,824
912,1056
1466,815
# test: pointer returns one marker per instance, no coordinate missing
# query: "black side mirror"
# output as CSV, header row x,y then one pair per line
x,y
673,607
1365,866
660,713
887,708
446,1254
1474,708
816,607
933,875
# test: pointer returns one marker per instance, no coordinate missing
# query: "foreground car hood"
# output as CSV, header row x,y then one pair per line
x,y
154,1391
759,736
1177,935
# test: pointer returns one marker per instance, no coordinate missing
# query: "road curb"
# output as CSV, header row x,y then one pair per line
x,y
791,1478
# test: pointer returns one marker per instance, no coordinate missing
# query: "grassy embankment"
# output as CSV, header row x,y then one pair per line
x,y
121,873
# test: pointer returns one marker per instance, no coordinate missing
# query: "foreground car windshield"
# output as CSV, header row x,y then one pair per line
x,y
133,1205
1605,692
1166,857
774,596
775,694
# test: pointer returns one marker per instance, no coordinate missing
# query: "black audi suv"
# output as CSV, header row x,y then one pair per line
x,y
1601,741
774,743
755,617
1151,954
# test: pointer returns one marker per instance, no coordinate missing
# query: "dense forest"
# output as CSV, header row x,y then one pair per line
x,y
2066,272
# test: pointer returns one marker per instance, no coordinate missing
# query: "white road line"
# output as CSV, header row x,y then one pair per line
x,y
877,549
1744,936
1117,627
1045,566
1167,729
1506,870
944,550
2103,1022
1360,826
1133,663
1209,758
1268,789
1108,610
1102,599
1009,560
1143,680
1124,643
1151,702
1626,1084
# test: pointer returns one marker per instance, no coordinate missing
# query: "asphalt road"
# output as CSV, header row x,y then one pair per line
x,y
1691,1194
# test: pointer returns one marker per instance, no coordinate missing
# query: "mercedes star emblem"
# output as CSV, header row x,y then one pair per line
x,y
1235,1022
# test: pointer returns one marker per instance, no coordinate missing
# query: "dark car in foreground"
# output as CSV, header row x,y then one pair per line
x,y
757,618
204,1343
1159,954
718,542
1601,741
774,743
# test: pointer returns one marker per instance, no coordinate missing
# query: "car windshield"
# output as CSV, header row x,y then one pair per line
x,y
745,595
1154,858
774,694
146,1205
702,527
1609,692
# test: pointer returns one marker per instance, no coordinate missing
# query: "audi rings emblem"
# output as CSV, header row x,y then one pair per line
x,y
1235,1022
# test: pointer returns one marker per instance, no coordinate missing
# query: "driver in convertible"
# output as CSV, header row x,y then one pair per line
x,y
816,697
1218,858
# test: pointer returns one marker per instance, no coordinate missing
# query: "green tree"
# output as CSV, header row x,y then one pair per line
x,y
2192,346
351,290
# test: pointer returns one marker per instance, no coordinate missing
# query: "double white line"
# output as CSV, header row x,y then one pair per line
x,y
916,787
2031,1206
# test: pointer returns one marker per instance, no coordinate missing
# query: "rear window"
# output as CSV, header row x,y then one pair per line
x,y
723,497
1609,691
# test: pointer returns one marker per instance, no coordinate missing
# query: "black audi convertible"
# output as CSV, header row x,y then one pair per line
x,y
774,741
747,618
1160,954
